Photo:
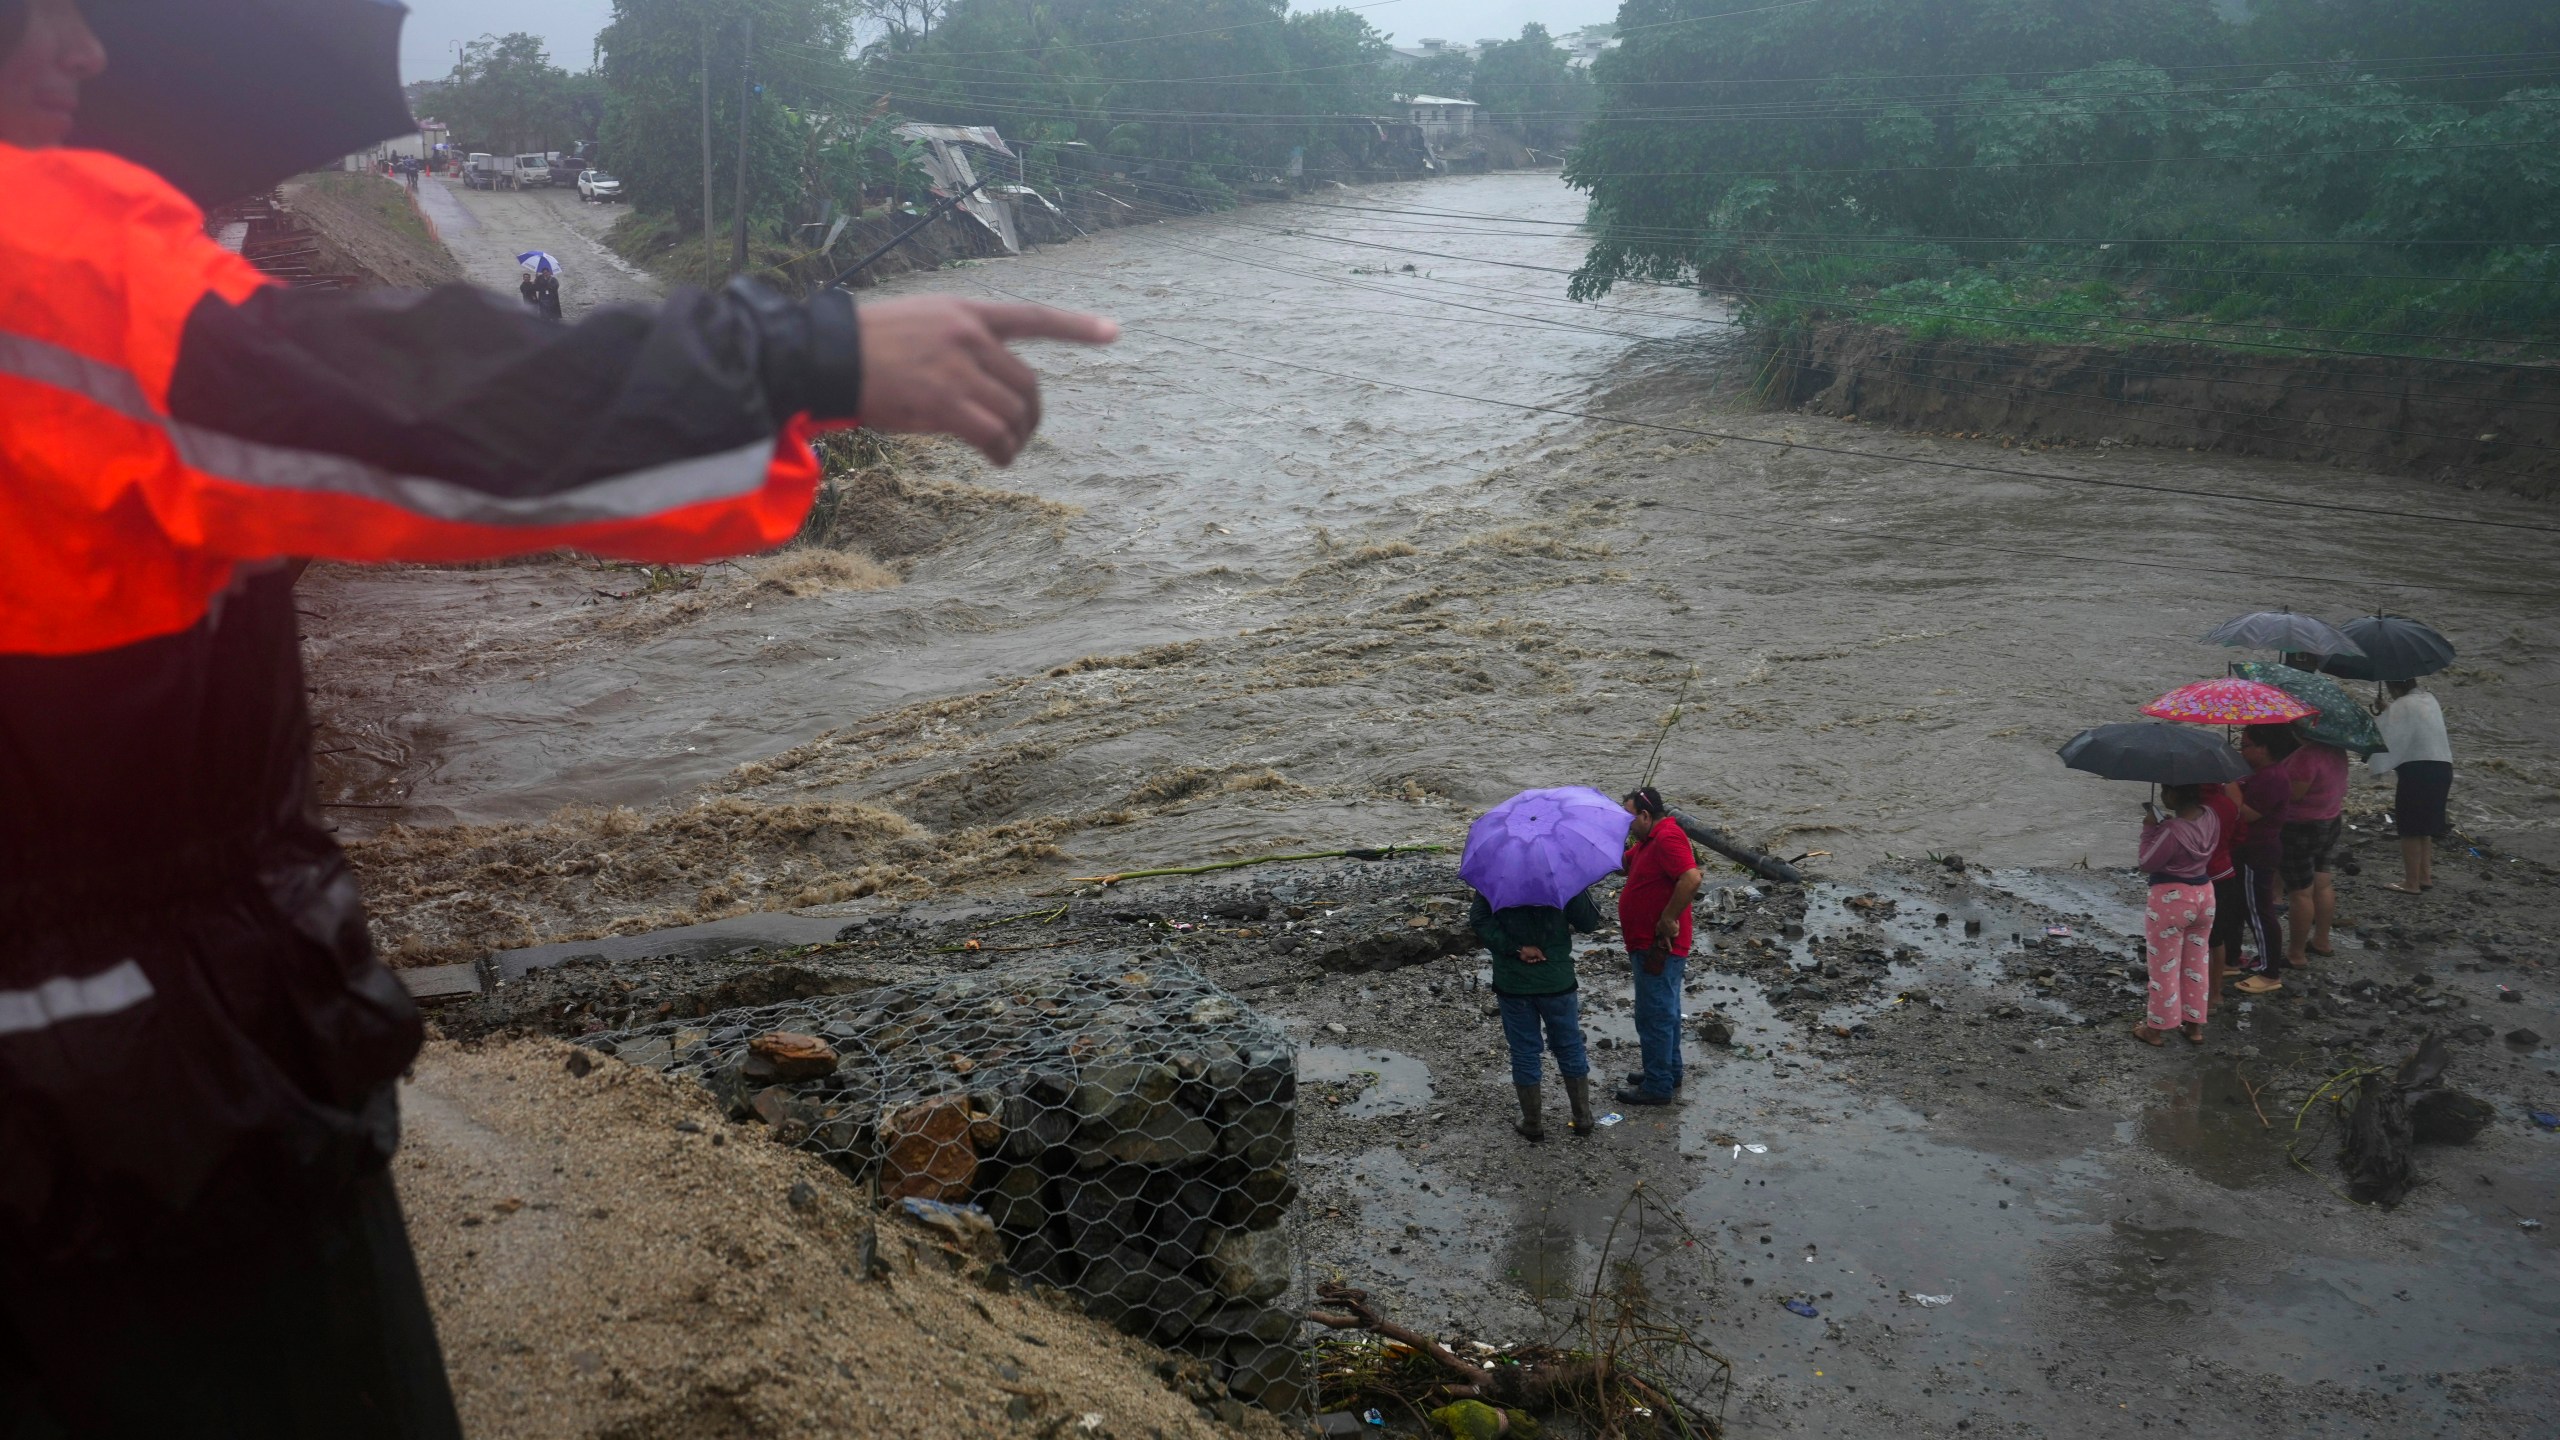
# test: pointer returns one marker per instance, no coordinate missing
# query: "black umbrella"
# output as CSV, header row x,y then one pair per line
x,y
2395,648
226,97
2153,752
2282,630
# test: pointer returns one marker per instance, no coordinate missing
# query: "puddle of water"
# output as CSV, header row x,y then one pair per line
x,y
2202,1119
1398,1084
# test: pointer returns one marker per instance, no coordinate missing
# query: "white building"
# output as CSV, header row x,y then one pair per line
x,y
1423,50
1442,119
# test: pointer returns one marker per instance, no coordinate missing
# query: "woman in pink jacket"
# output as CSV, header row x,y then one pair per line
x,y
2177,855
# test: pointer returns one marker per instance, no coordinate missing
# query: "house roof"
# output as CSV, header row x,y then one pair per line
x,y
1434,100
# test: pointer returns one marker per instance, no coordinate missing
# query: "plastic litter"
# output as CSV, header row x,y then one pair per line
x,y
2059,932
1612,1118
2545,1119
2528,1224
1803,1308
1754,1148
1372,1416
1932,1299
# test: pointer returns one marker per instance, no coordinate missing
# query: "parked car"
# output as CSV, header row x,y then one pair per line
x,y
594,185
532,170
480,171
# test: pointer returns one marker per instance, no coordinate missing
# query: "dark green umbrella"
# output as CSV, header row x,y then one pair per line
x,y
2341,721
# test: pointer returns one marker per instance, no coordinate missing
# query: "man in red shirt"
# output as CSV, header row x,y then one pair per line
x,y
1653,912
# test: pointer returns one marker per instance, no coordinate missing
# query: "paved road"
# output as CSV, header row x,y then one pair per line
x,y
486,230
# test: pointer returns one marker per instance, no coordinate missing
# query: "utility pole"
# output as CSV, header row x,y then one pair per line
x,y
746,72
706,151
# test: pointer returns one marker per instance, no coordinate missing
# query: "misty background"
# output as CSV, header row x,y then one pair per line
x,y
437,28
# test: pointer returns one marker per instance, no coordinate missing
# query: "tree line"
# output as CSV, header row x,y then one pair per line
x,y
2053,166
1199,96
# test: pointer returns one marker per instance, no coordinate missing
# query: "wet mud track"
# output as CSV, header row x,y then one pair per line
x,y
2006,1216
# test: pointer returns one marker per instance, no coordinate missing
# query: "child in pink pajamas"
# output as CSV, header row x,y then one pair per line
x,y
2177,855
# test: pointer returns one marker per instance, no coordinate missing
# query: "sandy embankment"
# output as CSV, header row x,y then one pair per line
x,y
607,1257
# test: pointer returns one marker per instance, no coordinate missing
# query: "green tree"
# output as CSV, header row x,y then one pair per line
x,y
1193,96
2294,33
651,57
505,94
1451,73
1844,114
1531,84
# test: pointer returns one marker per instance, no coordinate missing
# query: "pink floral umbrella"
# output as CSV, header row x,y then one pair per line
x,y
2228,701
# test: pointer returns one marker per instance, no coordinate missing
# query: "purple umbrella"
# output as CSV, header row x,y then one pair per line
x,y
1543,847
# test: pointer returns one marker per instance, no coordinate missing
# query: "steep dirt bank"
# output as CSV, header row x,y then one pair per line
x,y
368,228
2476,426
608,1258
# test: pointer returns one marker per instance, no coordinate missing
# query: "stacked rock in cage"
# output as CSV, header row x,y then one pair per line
x,y
1129,1130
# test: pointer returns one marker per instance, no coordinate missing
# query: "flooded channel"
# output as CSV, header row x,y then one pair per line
x,y
1370,593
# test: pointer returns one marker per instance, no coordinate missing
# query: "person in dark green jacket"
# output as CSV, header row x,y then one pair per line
x,y
1532,949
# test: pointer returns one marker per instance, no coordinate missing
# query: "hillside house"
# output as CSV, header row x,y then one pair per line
x,y
1443,120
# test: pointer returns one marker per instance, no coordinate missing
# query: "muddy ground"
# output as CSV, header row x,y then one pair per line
x,y
1949,1108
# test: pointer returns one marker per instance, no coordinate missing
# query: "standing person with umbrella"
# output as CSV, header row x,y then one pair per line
x,y
1532,860
2262,799
2177,857
1653,914
198,1047
2421,757
2231,702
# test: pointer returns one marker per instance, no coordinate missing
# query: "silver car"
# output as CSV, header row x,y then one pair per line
x,y
594,185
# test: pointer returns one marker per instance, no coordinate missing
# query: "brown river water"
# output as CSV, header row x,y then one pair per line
x,y
1316,604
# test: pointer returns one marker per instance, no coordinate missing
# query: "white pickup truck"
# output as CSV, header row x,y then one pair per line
x,y
532,170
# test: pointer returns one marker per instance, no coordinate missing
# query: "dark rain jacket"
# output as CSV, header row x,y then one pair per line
x,y
197,1044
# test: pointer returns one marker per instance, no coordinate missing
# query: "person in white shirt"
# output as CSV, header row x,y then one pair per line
x,y
2418,753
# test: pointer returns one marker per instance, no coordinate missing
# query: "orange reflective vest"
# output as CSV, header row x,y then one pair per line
x,y
119,522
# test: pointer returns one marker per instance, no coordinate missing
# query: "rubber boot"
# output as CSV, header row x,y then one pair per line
x,y
1530,1127
1577,1089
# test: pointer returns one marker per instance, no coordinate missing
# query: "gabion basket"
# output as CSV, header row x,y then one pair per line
x,y
1131,1133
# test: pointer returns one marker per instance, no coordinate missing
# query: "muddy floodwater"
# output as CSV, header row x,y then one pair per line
x,y
1394,606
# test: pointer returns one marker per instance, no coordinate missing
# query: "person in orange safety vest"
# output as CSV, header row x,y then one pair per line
x,y
198,1048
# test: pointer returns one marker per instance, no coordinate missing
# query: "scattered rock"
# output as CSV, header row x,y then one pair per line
x,y
782,1055
929,1154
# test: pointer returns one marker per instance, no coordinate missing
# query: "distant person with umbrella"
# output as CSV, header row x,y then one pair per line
x,y
198,1046
1532,860
2420,755
2177,857
1653,913
2397,651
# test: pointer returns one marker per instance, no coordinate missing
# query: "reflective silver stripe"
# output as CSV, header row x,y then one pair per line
x,y
632,495
120,987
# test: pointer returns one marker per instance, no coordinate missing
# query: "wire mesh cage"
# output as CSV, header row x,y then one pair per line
x,y
1130,1133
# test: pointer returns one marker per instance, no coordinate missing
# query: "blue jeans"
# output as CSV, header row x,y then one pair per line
x,y
1562,1017
1658,1019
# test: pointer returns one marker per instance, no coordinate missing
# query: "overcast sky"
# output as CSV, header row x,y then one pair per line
x,y
437,26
